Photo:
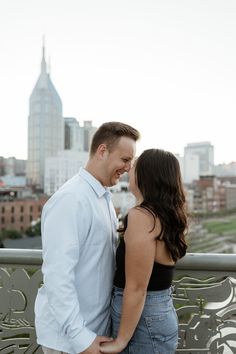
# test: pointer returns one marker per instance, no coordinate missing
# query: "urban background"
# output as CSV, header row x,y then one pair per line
x,y
58,146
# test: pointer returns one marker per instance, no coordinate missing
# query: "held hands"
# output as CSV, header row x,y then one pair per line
x,y
94,348
114,346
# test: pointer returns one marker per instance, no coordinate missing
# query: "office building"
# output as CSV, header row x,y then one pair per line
x,y
60,168
205,153
45,126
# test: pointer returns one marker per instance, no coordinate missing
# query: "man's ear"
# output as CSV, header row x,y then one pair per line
x,y
102,151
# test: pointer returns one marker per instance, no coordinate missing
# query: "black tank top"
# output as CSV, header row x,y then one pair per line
x,y
161,277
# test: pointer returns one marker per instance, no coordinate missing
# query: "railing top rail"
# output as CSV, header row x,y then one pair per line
x,y
192,261
208,262
20,256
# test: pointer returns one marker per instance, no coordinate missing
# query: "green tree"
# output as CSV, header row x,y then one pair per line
x,y
13,234
34,230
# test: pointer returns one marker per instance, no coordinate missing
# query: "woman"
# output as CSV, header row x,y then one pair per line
x,y
144,320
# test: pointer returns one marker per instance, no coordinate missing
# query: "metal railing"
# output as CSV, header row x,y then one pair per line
x,y
204,296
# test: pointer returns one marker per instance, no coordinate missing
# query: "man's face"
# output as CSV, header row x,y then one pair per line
x,y
118,160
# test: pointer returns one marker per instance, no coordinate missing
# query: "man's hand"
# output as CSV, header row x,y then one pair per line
x,y
113,347
94,348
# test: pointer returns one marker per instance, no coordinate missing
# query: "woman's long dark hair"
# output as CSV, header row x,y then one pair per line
x,y
158,178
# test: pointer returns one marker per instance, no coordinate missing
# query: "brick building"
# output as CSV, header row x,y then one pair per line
x,y
18,213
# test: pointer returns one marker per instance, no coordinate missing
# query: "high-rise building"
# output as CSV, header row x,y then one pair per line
x,y
15,167
60,168
205,153
45,126
12,167
89,131
78,137
191,168
74,135
181,163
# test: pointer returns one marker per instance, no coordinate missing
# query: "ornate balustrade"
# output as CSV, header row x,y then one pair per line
x,y
205,299
204,296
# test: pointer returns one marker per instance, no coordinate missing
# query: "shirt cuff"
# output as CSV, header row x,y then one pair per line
x,y
83,340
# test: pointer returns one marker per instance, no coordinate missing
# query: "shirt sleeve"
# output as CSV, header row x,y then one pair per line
x,y
64,221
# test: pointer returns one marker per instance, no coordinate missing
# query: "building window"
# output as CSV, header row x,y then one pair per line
x,y
21,209
31,208
3,220
12,209
3,210
21,218
31,217
12,219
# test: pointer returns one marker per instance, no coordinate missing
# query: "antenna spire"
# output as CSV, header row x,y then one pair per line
x,y
43,63
49,65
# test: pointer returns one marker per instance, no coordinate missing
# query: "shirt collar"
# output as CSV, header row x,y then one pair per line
x,y
94,183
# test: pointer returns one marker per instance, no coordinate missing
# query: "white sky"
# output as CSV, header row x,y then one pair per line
x,y
168,67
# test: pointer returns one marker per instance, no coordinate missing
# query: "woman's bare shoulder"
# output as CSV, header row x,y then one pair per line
x,y
139,212
141,218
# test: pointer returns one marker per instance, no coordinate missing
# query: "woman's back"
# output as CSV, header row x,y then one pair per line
x,y
161,276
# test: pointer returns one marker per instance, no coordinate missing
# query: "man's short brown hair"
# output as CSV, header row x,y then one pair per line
x,y
109,133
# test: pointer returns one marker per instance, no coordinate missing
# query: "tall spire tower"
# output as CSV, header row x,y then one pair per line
x,y
45,125
43,63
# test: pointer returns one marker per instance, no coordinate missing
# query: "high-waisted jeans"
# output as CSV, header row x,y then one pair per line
x,y
157,329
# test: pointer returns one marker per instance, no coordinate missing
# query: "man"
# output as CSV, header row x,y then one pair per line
x,y
72,308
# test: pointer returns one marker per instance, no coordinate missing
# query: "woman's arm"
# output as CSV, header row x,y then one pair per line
x,y
139,259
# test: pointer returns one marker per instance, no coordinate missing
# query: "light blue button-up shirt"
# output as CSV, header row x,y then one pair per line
x,y
78,237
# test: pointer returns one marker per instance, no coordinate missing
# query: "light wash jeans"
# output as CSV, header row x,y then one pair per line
x,y
157,330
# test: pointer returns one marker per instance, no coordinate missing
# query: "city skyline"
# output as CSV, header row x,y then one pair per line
x,y
167,68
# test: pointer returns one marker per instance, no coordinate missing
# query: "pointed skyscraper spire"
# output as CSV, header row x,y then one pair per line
x,y
49,66
43,63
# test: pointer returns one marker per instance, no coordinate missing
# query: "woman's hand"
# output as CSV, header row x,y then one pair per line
x,y
113,347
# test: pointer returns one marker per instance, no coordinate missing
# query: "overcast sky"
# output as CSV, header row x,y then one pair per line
x,y
168,67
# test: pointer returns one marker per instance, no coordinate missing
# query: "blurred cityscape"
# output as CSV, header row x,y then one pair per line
x,y
58,146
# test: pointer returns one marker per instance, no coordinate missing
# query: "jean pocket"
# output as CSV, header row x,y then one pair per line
x,y
163,327
163,331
